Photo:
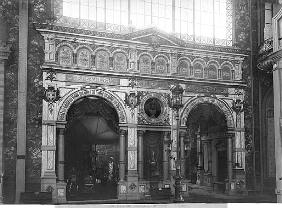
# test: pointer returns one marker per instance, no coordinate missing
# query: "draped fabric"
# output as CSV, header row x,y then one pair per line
x,y
93,129
92,120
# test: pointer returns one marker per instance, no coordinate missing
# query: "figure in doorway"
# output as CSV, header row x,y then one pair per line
x,y
154,165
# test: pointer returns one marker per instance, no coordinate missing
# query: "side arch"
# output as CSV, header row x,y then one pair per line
x,y
221,105
99,92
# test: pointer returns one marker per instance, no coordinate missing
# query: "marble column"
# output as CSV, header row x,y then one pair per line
x,y
22,96
166,144
140,154
230,136
61,155
4,53
182,152
277,90
200,160
122,154
209,156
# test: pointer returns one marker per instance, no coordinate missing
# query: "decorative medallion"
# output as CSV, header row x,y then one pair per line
x,y
154,110
51,95
132,187
132,100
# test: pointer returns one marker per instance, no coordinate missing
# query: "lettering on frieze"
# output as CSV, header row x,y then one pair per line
x,y
92,79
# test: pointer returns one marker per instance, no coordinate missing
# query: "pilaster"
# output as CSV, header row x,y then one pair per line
x,y
22,98
4,53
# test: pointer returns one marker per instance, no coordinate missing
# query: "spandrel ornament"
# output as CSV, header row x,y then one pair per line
x,y
51,95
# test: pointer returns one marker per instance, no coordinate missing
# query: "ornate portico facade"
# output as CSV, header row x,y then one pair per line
x,y
145,64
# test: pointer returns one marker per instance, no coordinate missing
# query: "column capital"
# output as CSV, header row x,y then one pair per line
x,y
230,134
122,131
140,132
182,133
61,131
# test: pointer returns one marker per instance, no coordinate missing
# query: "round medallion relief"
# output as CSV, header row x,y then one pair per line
x,y
153,108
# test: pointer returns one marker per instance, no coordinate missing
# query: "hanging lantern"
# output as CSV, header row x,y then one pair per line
x,y
177,94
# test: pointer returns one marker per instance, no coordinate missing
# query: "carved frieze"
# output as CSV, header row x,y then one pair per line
x,y
206,89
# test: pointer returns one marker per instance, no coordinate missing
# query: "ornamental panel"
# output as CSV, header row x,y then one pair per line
x,y
183,67
102,60
145,64
160,66
226,73
198,70
83,58
120,62
65,56
212,72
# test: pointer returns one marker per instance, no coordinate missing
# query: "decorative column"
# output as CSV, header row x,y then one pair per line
x,y
229,159
200,160
166,144
140,154
61,184
182,152
22,96
132,174
122,154
61,155
4,53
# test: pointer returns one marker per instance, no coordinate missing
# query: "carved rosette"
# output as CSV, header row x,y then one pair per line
x,y
162,119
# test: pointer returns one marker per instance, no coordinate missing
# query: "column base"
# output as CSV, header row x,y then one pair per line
x,y
49,184
61,192
237,186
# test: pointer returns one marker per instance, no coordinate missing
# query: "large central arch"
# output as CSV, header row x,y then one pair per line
x,y
100,92
218,103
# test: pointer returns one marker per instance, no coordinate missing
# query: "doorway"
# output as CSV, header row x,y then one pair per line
x,y
91,150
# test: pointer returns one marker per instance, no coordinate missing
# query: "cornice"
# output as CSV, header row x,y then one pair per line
x,y
83,35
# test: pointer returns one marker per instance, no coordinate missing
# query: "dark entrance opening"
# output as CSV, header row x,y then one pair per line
x,y
206,151
91,150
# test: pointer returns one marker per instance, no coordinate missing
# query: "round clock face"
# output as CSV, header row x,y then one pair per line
x,y
153,108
